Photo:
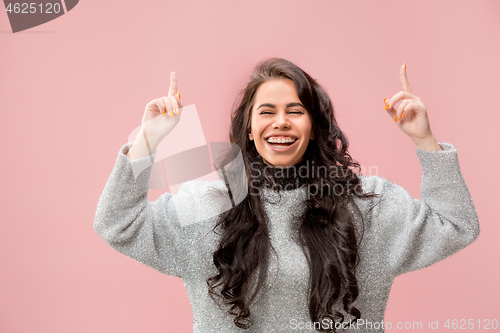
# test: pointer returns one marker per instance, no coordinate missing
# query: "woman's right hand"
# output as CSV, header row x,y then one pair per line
x,y
162,114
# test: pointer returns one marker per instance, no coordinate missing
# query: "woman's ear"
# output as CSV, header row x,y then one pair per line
x,y
250,136
312,135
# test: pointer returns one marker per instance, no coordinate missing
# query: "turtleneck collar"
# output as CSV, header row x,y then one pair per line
x,y
285,178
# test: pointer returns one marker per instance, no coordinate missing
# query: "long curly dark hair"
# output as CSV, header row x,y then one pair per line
x,y
327,233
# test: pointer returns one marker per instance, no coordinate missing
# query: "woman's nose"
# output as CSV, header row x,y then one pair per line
x,y
281,120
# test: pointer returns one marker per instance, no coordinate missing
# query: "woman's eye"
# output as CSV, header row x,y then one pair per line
x,y
296,112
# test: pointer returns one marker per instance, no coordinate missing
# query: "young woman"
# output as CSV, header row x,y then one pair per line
x,y
302,251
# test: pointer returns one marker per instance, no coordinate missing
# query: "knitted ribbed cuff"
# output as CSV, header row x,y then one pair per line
x,y
442,164
140,164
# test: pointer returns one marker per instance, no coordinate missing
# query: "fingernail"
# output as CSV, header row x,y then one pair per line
x,y
171,71
179,95
171,113
176,110
403,116
405,65
396,120
386,107
385,100
163,112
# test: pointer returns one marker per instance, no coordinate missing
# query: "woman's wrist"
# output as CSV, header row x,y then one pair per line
x,y
428,144
141,147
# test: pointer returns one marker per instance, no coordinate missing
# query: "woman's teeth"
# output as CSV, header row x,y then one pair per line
x,y
281,140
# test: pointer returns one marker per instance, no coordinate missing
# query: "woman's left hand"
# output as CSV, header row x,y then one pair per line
x,y
411,114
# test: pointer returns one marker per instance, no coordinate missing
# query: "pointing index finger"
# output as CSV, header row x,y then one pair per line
x,y
173,84
405,84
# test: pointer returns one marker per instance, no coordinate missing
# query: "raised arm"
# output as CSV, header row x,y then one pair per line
x,y
158,234
415,233
148,232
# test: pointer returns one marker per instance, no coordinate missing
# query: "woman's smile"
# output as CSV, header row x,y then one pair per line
x,y
281,144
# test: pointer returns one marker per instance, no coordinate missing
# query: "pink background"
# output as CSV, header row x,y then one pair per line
x,y
73,89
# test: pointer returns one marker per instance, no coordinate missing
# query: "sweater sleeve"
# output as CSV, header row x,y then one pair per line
x,y
148,232
416,233
152,233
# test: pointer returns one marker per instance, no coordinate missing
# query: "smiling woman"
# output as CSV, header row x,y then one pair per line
x,y
281,126
282,102
296,259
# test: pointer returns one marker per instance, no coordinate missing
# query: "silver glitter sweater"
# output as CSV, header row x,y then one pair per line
x,y
402,234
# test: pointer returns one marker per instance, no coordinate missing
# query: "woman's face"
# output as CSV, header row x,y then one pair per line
x,y
279,116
